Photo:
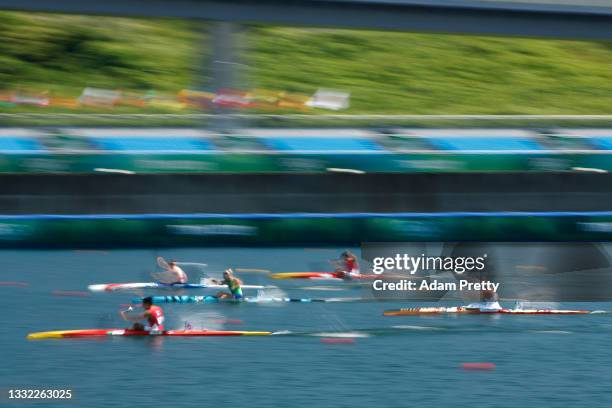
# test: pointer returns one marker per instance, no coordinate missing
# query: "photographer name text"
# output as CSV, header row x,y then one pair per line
x,y
426,285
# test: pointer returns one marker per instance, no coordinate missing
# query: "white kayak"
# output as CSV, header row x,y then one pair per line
x,y
114,287
415,311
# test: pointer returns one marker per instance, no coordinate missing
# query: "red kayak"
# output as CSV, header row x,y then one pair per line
x,y
324,276
61,334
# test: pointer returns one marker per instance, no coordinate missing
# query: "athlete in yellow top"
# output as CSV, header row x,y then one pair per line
x,y
233,284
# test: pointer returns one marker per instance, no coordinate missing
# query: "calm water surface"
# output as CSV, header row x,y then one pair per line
x,y
392,362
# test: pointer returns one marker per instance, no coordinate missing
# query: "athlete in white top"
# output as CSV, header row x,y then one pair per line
x,y
173,274
488,302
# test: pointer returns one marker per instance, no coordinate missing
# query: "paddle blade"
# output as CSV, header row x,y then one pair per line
x,y
161,262
252,270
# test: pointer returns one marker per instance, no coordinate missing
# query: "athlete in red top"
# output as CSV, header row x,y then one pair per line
x,y
153,314
350,262
347,265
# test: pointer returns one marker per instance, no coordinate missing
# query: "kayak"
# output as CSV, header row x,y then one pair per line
x,y
214,299
307,275
113,287
463,310
63,334
322,275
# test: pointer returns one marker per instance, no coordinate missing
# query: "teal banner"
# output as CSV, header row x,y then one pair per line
x,y
257,162
312,229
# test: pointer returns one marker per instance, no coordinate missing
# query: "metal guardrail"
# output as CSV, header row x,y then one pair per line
x,y
253,120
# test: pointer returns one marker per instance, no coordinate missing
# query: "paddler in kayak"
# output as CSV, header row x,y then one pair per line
x,y
233,284
173,274
154,315
489,302
347,266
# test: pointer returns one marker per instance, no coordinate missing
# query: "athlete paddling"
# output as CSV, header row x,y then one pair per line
x,y
233,284
154,315
173,274
347,266
489,302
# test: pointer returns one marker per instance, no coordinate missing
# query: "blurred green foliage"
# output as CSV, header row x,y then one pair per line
x,y
385,72
407,73
63,54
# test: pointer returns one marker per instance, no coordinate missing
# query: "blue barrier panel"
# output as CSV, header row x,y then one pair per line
x,y
483,143
310,143
15,144
161,144
602,142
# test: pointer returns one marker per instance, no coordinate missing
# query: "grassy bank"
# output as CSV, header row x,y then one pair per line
x,y
386,73
63,54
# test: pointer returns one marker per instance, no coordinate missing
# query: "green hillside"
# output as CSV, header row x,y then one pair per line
x,y
385,72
